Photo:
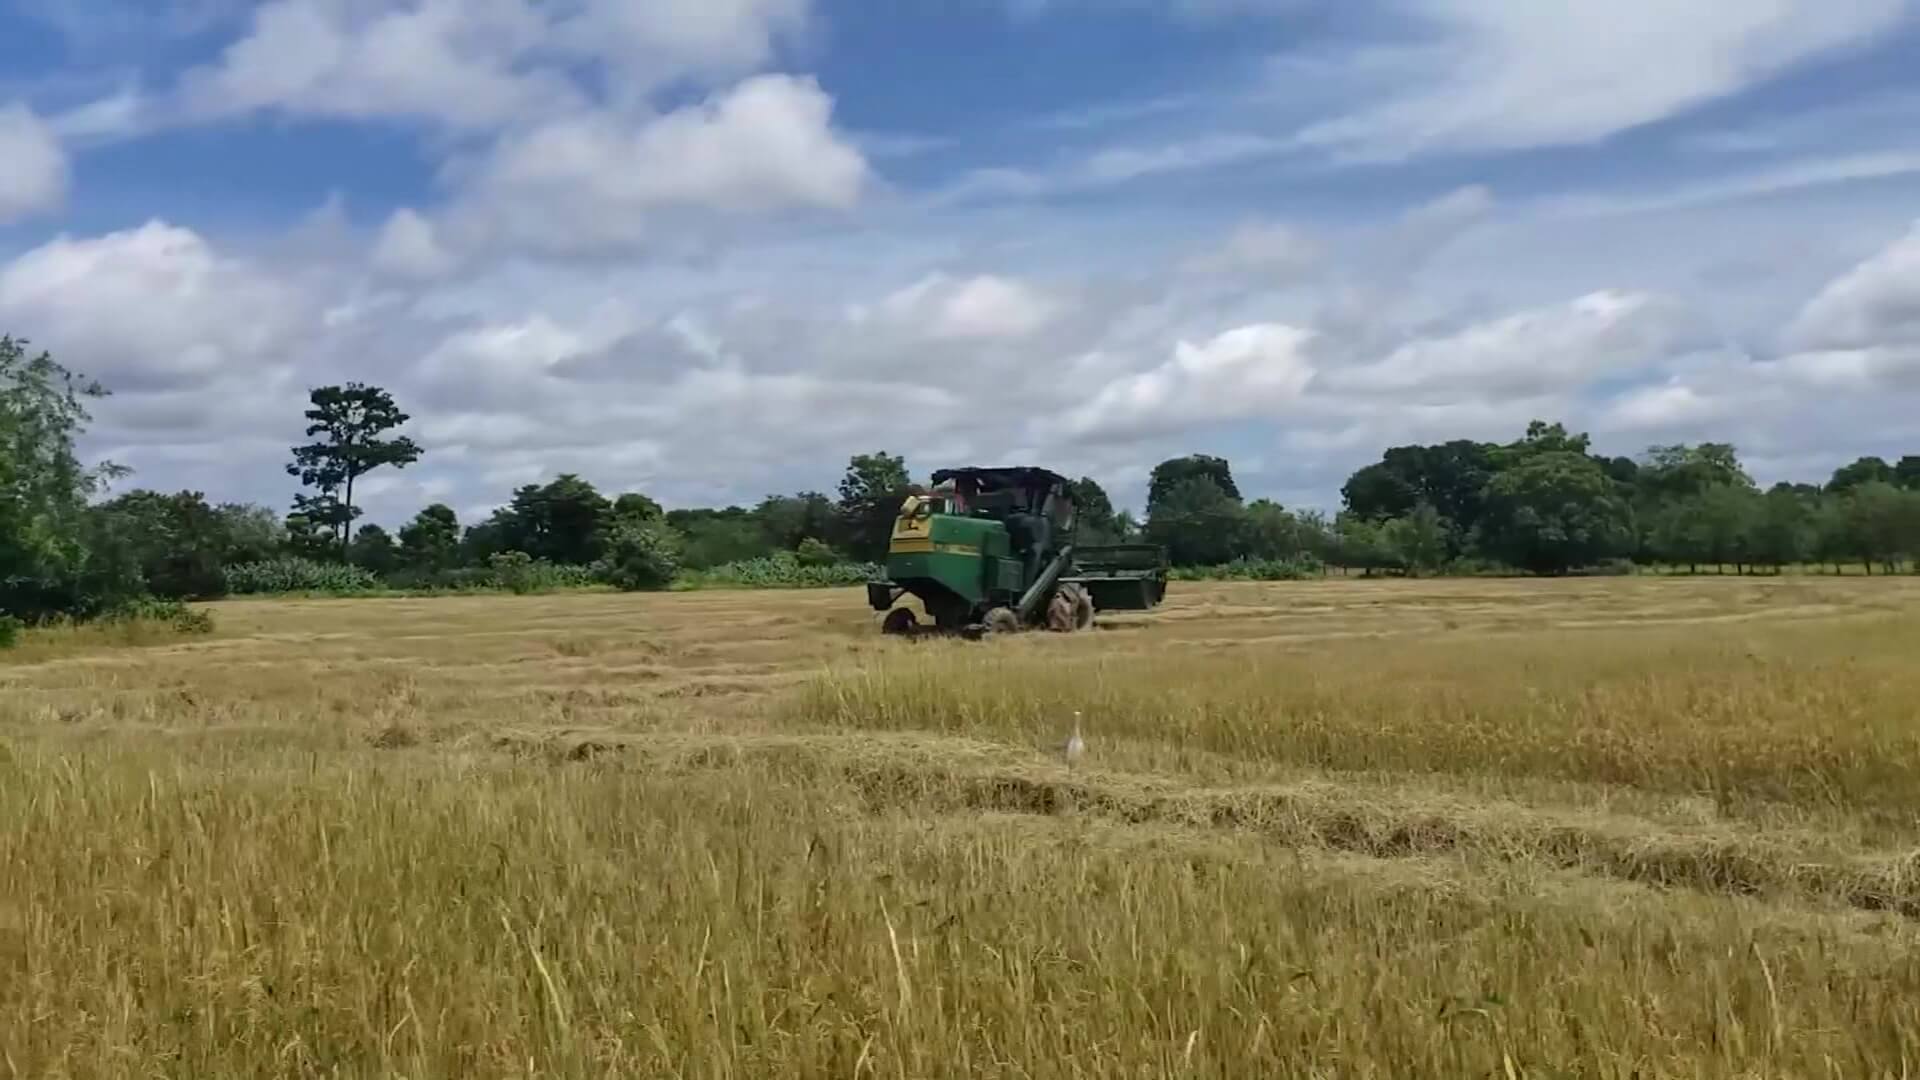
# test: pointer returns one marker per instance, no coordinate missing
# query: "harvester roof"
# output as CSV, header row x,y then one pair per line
x,y
1000,479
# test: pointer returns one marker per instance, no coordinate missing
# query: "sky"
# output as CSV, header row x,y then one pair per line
x,y
709,249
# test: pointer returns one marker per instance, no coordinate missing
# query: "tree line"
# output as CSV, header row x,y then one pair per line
x,y
1544,503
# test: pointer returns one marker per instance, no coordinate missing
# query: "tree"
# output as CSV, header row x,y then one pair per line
x,y
1554,510
1906,473
1881,524
1451,478
637,507
1173,472
1864,470
1783,529
642,554
1361,544
309,539
1726,514
1673,534
563,521
1268,531
1096,521
251,533
431,541
871,492
349,421
374,551
47,566
179,542
1198,522
1678,471
714,538
787,520
1419,540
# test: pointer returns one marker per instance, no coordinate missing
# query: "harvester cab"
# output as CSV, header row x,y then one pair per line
x,y
993,551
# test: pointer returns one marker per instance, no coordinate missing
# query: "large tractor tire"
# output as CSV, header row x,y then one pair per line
x,y
1070,610
1082,608
1002,621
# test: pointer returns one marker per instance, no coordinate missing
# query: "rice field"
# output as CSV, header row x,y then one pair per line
x,y
1597,828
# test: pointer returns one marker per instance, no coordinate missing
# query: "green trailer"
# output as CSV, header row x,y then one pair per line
x,y
992,550
1122,577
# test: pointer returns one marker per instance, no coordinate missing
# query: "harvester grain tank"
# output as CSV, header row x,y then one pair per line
x,y
993,551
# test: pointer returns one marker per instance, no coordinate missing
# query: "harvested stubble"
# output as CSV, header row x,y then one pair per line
x,y
1355,829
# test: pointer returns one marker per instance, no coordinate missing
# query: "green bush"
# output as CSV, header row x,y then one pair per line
x,y
641,555
172,614
523,575
816,552
1299,568
782,571
297,575
10,628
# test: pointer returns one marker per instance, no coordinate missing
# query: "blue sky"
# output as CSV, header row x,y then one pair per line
x,y
709,248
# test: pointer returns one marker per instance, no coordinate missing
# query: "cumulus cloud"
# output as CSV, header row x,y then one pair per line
x,y
986,307
1509,74
1270,249
1875,304
594,180
33,167
453,61
152,308
1242,373
476,64
409,246
1533,352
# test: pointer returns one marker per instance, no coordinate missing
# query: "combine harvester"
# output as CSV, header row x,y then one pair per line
x,y
991,551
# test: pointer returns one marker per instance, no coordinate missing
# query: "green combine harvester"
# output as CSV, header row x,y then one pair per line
x,y
991,551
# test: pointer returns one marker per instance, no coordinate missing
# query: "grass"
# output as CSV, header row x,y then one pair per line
x,y
1600,827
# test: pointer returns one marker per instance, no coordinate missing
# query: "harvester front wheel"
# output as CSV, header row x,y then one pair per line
x,y
1002,621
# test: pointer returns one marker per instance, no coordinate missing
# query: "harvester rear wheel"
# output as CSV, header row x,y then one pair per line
x,y
1002,621
1060,610
899,621
1082,608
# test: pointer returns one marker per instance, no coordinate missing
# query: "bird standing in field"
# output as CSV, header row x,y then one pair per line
x,y
1076,747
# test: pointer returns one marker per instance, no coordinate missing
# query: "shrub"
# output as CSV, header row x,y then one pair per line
x,y
816,552
523,575
641,555
10,628
297,575
172,614
1298,568
782,571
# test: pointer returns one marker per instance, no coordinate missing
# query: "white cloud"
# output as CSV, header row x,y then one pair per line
x,y
478,64
152,308
33,167
595,180
1873,305
1242,373
409,246
448,60
1539,351
1271,249
671,35
986,307
118,114
1513,73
